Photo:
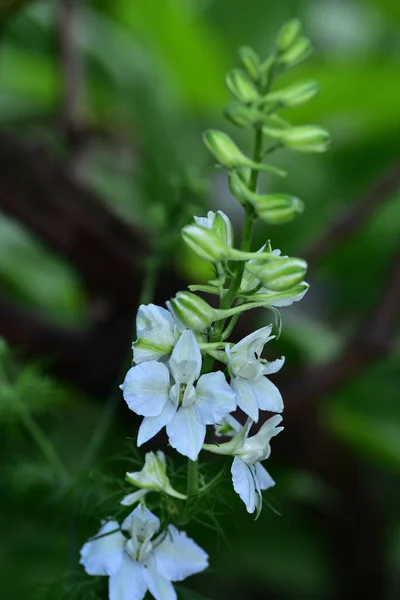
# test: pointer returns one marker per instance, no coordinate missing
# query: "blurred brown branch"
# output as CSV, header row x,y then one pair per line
x,y
350,221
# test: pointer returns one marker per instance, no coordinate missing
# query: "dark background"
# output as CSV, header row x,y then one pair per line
x,y
102,106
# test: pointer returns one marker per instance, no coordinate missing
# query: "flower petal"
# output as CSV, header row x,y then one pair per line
x,y
160,587
257,394
103,555
178,556
134,497
154,318
141,523
214,398
128,583
254,342
244,484
264,479
245,397
273,366
185,361
185,432
146,388
150,426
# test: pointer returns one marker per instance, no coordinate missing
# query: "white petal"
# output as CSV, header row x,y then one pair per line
x,y
245,397
146,388
260,393
255,341
214,398
243,484
128,583
150,426
185,432
141,523
185,361
151,317
178,556
133,498
103,556
264,479
160,587
227,427
273,366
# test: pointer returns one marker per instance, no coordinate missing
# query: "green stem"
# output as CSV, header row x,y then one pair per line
x,y
192,478
45,446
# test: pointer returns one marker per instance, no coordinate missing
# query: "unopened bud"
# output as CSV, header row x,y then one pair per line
x,y
306,138
228,154
293,95
241,86
276,209
205,243
219,223
250,61
288,34
192,311
241,115
280,274
299,51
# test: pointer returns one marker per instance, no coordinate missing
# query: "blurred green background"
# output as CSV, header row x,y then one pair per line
x,y
109,98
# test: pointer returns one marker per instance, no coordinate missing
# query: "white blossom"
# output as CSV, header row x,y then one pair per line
x,y
141,560
157,333
169,396
248,372
152,478
249,477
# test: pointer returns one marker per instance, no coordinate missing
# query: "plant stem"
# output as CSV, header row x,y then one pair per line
x,y
192,478
44,445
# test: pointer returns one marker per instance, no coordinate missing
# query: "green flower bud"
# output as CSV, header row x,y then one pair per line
x,y
299,51
293,95
271,208
280,274
250,61
222,226
241,86
228,154
241,115
288,34
306,138
277,209
192,311
205,243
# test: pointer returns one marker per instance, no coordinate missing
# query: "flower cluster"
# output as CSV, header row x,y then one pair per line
x,y
173,383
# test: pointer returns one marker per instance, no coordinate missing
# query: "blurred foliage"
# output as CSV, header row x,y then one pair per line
x,y
154,75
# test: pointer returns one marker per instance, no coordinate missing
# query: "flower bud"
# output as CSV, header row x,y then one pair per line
x,y
192,311
241,86
220,223
306,138
293,95
250,61
280,274
288,34
299,51
204,242
276,209
241,115
228,154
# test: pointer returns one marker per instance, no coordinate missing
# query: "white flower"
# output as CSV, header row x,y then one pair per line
x,y
157,333
253,390
140,561
248,475
272,298
168,396
153,477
